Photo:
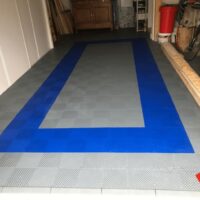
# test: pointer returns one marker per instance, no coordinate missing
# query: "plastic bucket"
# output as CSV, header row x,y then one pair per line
x,y
167,18
162,37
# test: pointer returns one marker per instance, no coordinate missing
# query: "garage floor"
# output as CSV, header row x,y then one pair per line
x,y
195,64
115,122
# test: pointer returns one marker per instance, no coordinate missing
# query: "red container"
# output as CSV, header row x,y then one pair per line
x,y
167,18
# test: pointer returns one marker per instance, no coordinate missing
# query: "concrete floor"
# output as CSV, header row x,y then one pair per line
x,y
99,171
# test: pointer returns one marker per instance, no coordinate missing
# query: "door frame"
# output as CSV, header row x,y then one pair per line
x,y
156,19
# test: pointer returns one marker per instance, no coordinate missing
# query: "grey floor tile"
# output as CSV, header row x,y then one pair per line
x,y
51,122
163,180
29,160
144,171
142,179
1,155
115,161
66,178
115,179
195,140
43,177
20,177
188,180
79,107
5,174
187,161
4,123
72,160
90,178
10,159
150,161
51,160
93,160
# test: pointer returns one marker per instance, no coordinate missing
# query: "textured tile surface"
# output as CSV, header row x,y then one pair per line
x,y
72,161
43,177
144,171
9,159
5,174
115,178
102,91
29,160
20,177
66,178
94,178
25,190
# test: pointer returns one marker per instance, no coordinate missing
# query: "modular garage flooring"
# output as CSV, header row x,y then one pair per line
x,y
95,118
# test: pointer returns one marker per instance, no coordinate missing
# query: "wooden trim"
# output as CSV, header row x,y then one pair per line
x,y
156,18
184,70
5,69
47,23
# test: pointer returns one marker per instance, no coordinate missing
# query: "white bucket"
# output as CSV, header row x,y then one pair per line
x,y
164,37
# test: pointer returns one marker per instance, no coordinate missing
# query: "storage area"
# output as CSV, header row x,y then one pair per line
x,y
92,14
141,10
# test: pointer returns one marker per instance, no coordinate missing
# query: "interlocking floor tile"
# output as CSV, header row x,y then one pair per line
x,y
66,178
94,178
9,159
115,179
20,177
43,177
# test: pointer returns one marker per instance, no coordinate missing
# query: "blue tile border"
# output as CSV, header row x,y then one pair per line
x,y
163,131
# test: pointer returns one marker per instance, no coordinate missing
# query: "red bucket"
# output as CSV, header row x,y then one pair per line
x,y
167,18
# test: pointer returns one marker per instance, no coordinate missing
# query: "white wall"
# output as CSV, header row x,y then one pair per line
x,y
24,38
126,3
150,13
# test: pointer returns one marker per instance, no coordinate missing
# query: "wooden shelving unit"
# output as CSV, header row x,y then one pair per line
x,y
141,15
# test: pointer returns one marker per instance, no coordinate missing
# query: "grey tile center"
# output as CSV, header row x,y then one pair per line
x,y
102,91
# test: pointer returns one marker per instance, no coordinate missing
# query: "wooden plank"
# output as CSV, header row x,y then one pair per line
x,y
184,70
52,25
156,23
